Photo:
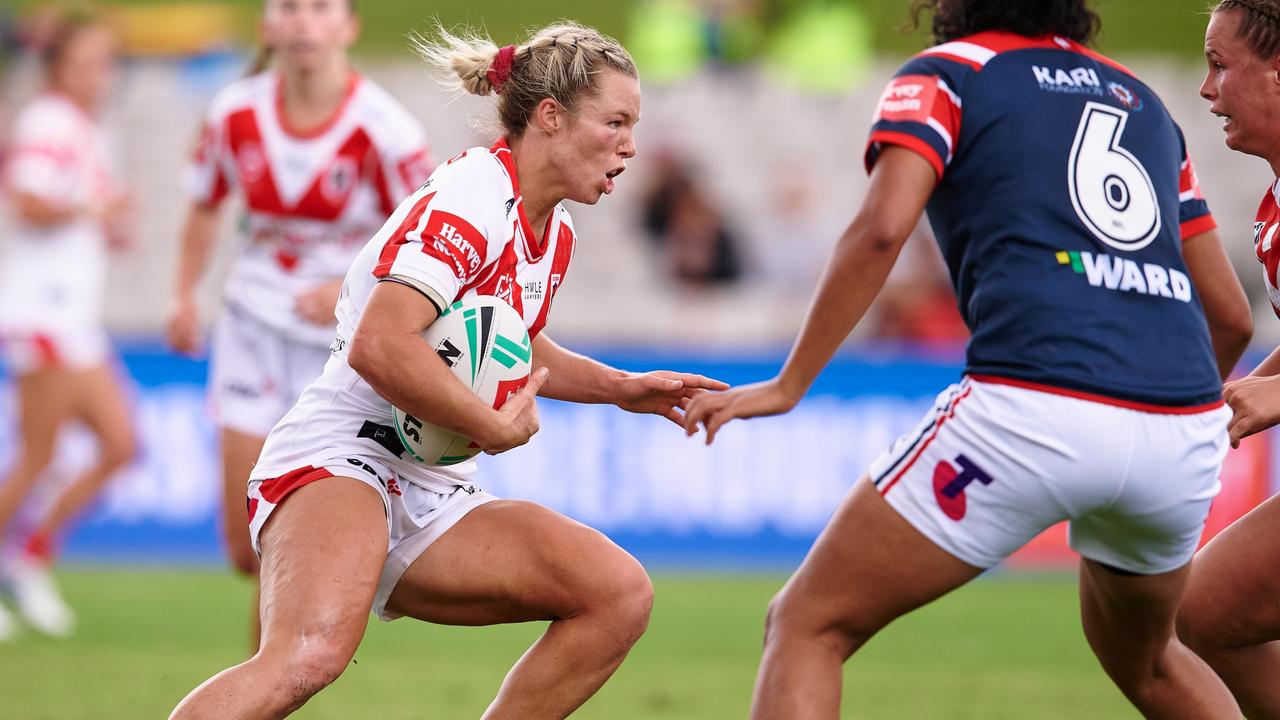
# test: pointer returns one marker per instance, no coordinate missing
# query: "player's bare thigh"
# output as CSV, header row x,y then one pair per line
x,y
322,552
103,405
868,567
1233,596
515,561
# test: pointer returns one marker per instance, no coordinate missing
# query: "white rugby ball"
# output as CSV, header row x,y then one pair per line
x,y
484,342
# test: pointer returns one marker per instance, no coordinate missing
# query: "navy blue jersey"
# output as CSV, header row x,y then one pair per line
x,y
1064,194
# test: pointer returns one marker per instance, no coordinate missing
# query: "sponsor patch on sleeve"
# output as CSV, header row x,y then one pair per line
x,y
908,98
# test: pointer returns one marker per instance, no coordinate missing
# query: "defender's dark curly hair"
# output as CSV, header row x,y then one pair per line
x,y
954,19
1259,25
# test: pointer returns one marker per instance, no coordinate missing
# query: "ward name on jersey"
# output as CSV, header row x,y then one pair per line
x,y
462,234
1065,191
312,198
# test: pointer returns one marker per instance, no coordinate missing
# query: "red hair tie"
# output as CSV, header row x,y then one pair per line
x,y
500,68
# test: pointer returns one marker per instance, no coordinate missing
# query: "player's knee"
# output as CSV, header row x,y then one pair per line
x,y
793,618
118,452
626,597
317,663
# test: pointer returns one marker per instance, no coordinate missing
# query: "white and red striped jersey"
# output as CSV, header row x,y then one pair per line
x,y
53,274
312,198
1265,245
462,234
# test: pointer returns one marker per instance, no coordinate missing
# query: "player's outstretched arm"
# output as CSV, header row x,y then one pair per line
x,y
389,353
901,184
183,324
1225,305
577,378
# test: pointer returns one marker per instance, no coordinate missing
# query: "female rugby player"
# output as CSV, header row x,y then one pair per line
x,y
321,156
345,522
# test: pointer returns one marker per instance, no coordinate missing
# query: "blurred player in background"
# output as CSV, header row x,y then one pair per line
x,y
346,521
322,156
1231,613
1067,209
68,209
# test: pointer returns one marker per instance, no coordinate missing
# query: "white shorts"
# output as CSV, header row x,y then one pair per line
x,y
26,351
256,374
994,464
416,516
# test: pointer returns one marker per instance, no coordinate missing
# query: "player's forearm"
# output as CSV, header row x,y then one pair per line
x,y
900,186
857,270
1270,366
40,212
574,378
197,239
430,392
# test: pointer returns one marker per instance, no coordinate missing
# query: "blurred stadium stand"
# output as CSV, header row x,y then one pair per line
x,y
753,140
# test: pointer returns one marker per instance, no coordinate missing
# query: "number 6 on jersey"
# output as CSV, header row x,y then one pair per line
x,y
1110,190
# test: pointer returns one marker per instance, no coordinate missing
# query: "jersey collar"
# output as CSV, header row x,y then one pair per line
x,y
533,250
282,119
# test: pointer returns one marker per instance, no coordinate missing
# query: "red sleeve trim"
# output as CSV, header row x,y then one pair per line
x,y
910,142
1194,227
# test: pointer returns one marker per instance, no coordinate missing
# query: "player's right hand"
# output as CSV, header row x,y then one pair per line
x,y
1255,406
713,410
183,326
517,421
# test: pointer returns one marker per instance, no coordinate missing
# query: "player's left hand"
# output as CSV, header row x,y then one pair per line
x,y
663,393
1255,405
317,305
748,401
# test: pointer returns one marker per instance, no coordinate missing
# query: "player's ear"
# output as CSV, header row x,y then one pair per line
x,y
549,116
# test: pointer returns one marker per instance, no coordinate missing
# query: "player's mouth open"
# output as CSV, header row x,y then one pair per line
x,y
608,179
1226,119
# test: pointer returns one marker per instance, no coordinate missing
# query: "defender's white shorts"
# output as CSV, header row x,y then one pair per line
x,y
26,351
416,517
256,374
994,463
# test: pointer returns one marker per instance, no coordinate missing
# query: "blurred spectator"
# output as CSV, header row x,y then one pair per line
x,y
918,304
793,240
683,222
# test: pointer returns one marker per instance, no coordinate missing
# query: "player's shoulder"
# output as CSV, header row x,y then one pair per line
x,y
975,53
242,94
49,115
383,116
474,181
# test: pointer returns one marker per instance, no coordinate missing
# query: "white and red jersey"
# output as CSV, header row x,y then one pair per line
x,y
1265,229
462,234
51,276
312,198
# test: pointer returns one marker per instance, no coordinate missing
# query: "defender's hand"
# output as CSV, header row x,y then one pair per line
x,y
748,401
1255,404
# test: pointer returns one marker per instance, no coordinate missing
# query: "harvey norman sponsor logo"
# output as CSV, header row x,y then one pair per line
x,y
1124,275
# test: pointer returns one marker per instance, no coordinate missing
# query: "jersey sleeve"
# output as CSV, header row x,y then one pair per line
x,y
920,110
1193,210
45,155
208,176
451,236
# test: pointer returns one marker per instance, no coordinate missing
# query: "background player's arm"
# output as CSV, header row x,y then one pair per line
x,y
197,238
577,378
389,353
42,212
901,184
1225,305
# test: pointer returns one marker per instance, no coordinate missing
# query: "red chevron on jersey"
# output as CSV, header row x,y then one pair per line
x,y
1264,242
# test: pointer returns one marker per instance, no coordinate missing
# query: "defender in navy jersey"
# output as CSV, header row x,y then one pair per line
x,y
1104,314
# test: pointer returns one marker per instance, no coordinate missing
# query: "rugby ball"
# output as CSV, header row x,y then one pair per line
x,y
484,342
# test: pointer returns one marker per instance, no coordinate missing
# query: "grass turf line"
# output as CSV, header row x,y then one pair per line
x,y
1007,647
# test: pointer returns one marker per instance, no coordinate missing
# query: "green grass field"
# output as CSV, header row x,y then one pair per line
x,y
1007,647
